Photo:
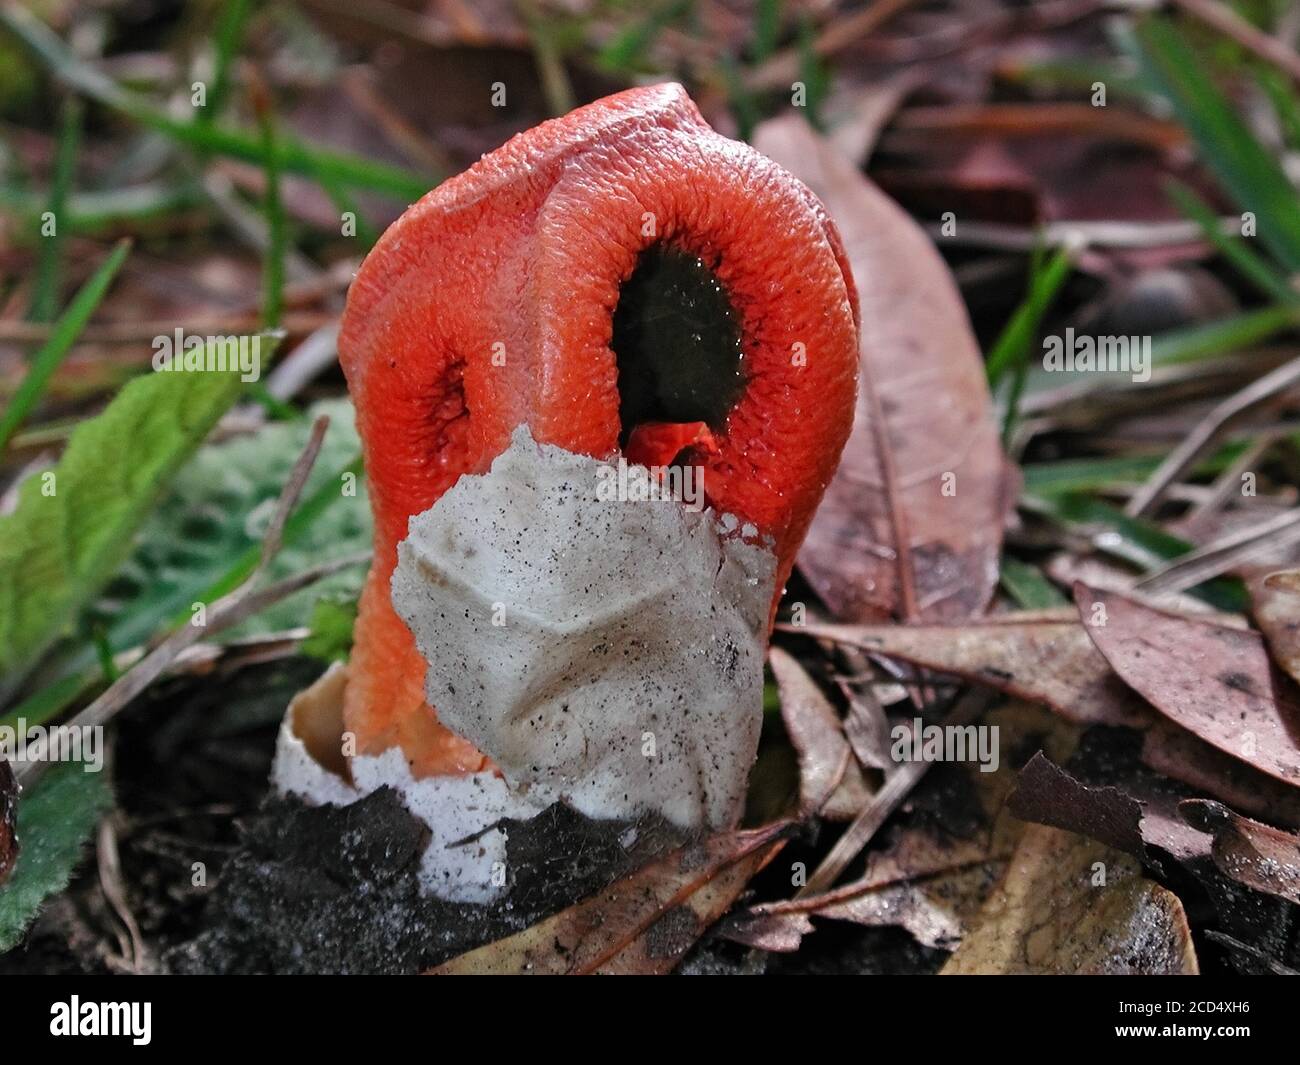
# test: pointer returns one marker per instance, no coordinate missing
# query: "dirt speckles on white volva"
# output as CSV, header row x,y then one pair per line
x,y
605,653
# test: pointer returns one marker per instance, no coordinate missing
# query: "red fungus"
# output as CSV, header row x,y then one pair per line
x,y
493,301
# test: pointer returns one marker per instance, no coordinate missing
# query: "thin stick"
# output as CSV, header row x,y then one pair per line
x,y
1228,483
895,788
1210,561
1230,24
1178,461
838,35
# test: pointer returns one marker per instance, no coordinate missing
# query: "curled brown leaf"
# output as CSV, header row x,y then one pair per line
x,y
912,522
1217,682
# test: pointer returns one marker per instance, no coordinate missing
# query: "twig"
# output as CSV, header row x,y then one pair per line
x,y
783,68
895,788
1210,561
550,64
998,236
1186,453
1230,24
1228,483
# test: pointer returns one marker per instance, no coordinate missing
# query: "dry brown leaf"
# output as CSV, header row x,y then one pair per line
x,y
1178,754
912,523
644,923
1276,598
1254,854
1051,916
932,880
1214,681
1043,661
866,726
935,916
1141,812
780,933
1045,792
830,778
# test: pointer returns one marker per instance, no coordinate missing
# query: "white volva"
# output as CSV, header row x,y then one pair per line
x,y
602,652
606,653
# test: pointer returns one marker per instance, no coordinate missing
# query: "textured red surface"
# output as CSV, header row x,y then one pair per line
x,y
489,304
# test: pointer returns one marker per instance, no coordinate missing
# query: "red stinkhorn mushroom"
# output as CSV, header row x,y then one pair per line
x,y
619,278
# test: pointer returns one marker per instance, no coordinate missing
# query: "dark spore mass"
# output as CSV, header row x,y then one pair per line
x,y
677,339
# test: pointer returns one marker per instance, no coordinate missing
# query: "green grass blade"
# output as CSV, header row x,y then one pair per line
x,y
767,30
292,155
1137,542
1013,344
45,291
1027,586
1252,266
1223,337
273,265
65,334
1250,175
230,31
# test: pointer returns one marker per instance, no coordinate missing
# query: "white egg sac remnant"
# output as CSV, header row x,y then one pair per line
x,y
602,652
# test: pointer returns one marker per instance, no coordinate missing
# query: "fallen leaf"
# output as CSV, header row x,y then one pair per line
x,y
866,726
1216,682
1176,753
1276,597
829,773
858,114
1257,855
644,923
1050,916
780,933
932,917
1106,764
949,847
1043,661
55,819
912,522
1044,791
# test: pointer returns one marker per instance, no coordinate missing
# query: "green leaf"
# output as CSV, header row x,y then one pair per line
x,y
54,821
1251,176
72,526
1137,542
203,538
1012,346
1027,585
205,535
332,622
